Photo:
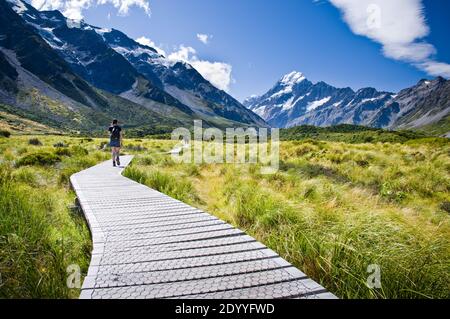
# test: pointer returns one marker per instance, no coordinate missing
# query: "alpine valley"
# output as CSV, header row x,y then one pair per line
x,y
69,76
73,76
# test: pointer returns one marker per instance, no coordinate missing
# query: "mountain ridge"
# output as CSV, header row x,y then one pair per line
x,y
301,102
110,60
47,59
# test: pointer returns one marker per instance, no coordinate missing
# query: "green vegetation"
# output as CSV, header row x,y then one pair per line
x,y
15,124
440,128
40,233
40,158
333,209
4,133
34,141
349,134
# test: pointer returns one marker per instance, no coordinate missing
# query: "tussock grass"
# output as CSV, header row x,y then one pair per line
x,y
39,236
34,141
166,183
332,209
335,208
5,133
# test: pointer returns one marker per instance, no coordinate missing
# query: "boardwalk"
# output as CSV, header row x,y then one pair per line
x,y
149,245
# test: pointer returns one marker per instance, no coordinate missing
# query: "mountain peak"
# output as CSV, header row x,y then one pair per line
x,y
18,6
292,78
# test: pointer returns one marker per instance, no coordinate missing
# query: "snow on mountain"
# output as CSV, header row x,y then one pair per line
x,y
17,5
294,96
314,105
180,79
295,101
110,60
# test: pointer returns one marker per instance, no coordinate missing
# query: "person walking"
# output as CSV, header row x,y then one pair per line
x,y
115,141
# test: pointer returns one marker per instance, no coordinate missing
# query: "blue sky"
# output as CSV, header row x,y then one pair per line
x,y
252,43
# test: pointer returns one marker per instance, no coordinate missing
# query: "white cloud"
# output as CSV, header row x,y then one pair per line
x,y
124,5
73,9
218,73
399,26
204,38
436,68
148,42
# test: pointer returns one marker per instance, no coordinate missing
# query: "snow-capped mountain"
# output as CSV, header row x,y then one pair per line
x,y
180,80
111,61
84,49
36,83
296,101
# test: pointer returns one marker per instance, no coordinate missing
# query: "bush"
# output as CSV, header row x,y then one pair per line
x,y
42,159
4,133
34,141
135,148
79,151
60,144
445,206
63,152
147,161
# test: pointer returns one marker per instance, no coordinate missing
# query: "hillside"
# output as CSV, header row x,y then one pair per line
x,y
105,71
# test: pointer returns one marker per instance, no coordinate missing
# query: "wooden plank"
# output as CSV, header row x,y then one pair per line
x,y
149,245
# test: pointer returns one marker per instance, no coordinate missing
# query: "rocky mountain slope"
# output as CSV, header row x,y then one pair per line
x,y
296,101
36,83
111,61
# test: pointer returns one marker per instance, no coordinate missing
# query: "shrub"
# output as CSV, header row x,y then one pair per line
x,y
147,161
445,206
135,148
79,150
42,159
60,144
63,152
4,133
34,141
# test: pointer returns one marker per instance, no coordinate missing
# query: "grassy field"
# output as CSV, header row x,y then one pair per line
x,y
40,233
333,209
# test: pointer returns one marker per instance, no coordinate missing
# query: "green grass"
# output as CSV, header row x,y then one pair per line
x,y
40,234
333,209
353,134
440,128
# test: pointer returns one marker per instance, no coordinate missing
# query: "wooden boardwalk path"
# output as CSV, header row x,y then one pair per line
x,y
149,245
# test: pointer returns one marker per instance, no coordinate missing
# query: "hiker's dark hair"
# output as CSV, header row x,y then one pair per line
x,y
115,122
